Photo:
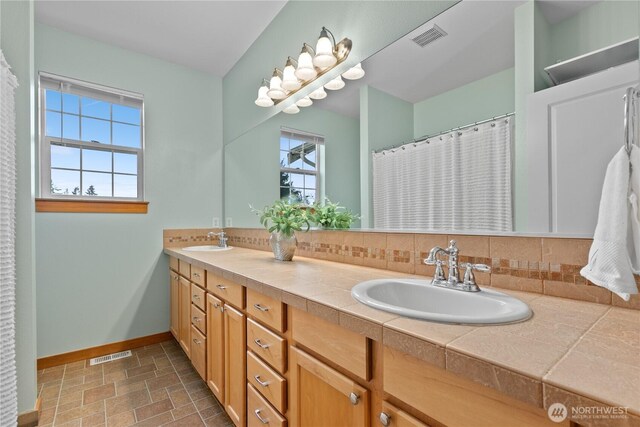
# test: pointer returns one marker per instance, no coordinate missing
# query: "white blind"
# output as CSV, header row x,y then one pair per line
x,y
82,88
8,391
459,181
300,135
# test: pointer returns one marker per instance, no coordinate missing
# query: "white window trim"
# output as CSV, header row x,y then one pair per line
x,y
108,94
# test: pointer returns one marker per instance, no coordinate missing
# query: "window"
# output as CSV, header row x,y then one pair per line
x,y
91,141
299,166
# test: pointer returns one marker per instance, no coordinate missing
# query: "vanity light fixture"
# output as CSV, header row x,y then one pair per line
x,y
263,99
335,84
304,102
311,64
354,73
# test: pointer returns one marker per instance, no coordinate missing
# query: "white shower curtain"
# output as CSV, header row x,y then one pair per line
x,y
8,392
458,181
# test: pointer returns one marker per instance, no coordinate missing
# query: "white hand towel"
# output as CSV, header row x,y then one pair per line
x,y
614,254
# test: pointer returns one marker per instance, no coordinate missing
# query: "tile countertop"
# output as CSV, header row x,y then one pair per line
x,y
570,351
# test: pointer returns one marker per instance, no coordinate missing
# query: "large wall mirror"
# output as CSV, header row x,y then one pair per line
x,y
456,127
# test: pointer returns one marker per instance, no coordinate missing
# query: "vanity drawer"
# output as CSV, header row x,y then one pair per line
x,y
399,418
345,348
199,352
229,291
266,309
199,319
260,413
198,297
184,268
267,381
173,263
269,346
197,275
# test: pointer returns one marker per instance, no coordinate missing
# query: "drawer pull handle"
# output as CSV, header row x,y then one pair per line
x,y
259,344
216,305
176,277
222,288
385,419
354,398
196,319
260,307
259,381
262,420
196,296
196,275
198,342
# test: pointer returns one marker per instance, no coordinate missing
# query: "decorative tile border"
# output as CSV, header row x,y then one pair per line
x,y
550,266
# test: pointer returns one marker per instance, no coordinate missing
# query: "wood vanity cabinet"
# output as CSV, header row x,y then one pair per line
x,y
184,298
215,346
390,416
235,362
174,287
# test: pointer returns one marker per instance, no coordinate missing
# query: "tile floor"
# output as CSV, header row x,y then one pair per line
x,y
157,386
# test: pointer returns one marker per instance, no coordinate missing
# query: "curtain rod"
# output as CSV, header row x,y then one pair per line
x,y
426,137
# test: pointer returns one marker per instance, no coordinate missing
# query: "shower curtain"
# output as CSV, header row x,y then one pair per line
x,y
8,391
457,181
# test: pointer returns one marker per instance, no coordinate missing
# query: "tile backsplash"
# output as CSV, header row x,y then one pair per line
x,y
549,266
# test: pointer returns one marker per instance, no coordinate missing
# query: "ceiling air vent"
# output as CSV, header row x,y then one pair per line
x,y
429,36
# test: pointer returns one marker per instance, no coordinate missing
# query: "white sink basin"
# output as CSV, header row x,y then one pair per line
x,y
206,248
420,300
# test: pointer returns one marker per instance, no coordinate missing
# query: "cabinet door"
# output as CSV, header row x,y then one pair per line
x,y
235,378
215,346
185,316
320,396
199,352
394,417
174,286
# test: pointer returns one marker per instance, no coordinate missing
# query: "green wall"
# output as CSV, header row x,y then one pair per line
x,y
252,169
102,277
371,25
16,40
482,99
384,120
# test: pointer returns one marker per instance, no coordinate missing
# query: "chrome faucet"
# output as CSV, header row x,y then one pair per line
x,y
222,238
468,283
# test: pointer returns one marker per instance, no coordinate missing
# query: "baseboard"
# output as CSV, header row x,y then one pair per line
x,y
30,418
101,350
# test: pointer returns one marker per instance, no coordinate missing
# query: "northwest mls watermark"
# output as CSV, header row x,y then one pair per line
x,y
558,413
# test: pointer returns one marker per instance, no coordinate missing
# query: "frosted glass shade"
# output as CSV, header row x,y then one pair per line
x,y
263,99
304,102
289,79
275,89
291,109
305,70
335,84
324,53
354,73
318,93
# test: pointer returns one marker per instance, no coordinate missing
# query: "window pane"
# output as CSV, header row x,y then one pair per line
x,y
125,186
310,182
125,163
54,124
96,184
126,135
295,161
284,144
297,180
297,195
65,157
94,108
126,114
53,100
96,160
96,130
70,103
284,160
309,157
70,126
284,192
65,182
310,196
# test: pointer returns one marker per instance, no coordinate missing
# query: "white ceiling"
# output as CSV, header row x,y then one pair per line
x,y
206,35
480,42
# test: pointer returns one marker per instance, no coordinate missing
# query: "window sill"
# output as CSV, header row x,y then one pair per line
x,y
90,206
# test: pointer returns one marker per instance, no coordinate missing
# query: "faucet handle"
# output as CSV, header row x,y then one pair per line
x,y
469,277
439,273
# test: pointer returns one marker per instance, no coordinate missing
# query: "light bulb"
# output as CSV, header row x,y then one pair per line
x,y
335,84
289,79
304,102
291,109
324,51
318,93
305,70
263,99
354,73
275,87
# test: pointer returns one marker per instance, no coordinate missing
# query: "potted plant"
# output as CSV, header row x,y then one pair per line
x,y
282,220
329,215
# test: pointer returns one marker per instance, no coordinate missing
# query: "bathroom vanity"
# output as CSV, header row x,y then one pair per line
x,y
286,344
